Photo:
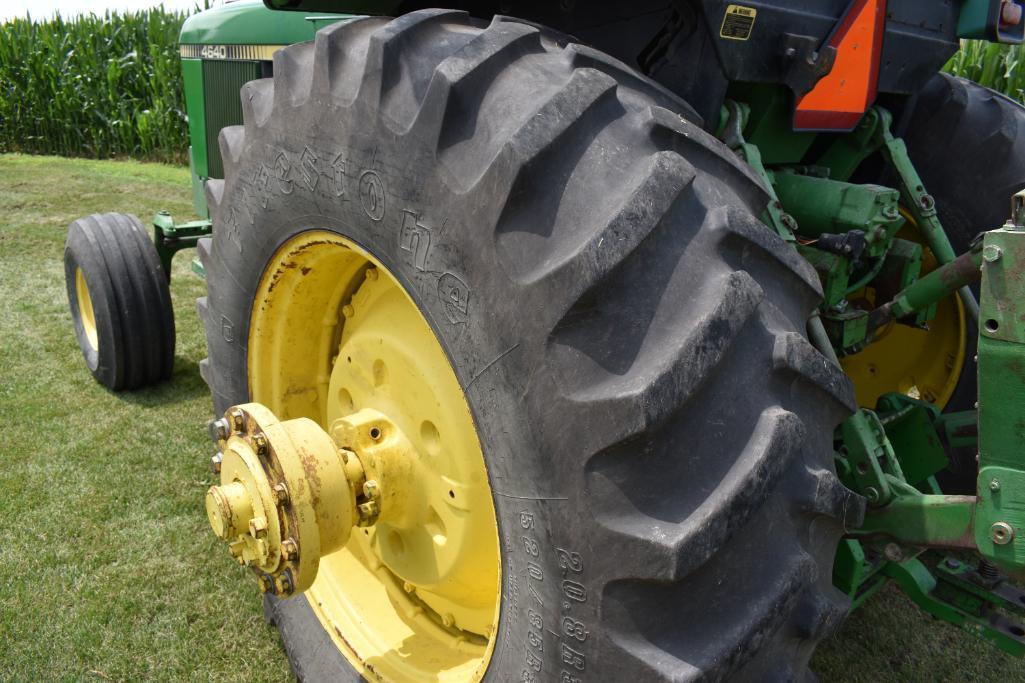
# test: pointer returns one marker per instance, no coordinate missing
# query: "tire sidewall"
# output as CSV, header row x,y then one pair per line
x,y
466,302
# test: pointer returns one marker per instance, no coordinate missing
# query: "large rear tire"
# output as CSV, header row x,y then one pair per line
x,y
987,132
629,338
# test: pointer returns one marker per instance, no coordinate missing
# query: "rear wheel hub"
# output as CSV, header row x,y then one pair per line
x,y
359,478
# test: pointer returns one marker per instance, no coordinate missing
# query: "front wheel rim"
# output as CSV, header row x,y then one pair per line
x,y
85,309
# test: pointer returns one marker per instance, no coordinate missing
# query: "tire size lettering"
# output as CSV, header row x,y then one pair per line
x,y
573,658
533,578
531,546
573,631
568,560
574,591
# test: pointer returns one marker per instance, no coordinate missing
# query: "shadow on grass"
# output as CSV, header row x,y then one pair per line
x,y
185,384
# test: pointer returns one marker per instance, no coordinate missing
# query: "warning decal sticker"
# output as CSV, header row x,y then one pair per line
x,y
738,22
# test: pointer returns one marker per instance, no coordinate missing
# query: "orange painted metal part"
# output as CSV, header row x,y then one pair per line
x,y
840,99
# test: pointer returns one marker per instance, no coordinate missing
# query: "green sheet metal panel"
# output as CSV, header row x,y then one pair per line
x,y
248,22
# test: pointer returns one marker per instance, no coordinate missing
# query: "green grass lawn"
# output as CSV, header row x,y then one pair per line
x,y
108,570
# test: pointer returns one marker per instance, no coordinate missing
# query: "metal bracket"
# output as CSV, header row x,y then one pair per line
x,y
920,203
950,600
735,116
1000,529
170,238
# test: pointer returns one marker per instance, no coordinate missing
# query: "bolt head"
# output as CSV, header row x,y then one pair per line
x,y
218,429
992,253
994,485
1001,533
281,493
238,420
215,462
952,563
257,526
261,445
871,494
283,584
290,550
368,512
893,552
266,585
371,489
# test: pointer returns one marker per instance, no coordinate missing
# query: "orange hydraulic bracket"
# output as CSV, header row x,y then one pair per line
x,y
839,99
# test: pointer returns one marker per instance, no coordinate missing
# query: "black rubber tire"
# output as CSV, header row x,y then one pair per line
x,y
630,341
968,144
131,301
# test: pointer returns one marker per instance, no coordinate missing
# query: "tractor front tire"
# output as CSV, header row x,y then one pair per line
x,y
629,338
120,302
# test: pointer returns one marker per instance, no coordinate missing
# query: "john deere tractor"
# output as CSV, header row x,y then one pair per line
x,y
615,341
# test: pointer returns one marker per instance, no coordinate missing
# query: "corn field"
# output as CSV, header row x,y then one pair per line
x,y
109,86
95,86
999,67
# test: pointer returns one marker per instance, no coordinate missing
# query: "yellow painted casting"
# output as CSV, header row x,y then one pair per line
x,y
285,498
85,309
923,364
334,337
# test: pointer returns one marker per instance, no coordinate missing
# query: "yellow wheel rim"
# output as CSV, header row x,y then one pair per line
x,y
333,332
922,364
85,309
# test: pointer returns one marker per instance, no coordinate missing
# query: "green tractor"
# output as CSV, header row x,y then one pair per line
x,y
615,341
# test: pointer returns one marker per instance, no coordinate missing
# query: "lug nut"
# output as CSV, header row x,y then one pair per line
x,y
215,462
260,442
283,584
371,490
368,512
290,550
238,420
266,585
218,429
281,493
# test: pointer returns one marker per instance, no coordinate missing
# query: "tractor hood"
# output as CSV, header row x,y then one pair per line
x,y
248,22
